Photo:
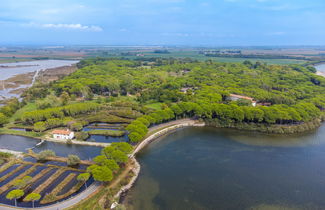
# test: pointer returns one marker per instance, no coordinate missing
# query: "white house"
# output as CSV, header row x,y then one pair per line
x,y
63,134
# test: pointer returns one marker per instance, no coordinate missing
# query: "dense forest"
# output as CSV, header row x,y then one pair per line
x,y
285,95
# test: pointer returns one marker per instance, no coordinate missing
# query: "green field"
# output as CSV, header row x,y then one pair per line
x,y
13,60
155,106
27,108
195,55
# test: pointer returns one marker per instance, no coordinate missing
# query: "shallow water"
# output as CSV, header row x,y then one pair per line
x,y
107,139
102,138
21,143
320,67
8,70
209,168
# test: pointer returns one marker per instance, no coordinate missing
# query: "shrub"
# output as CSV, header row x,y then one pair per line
x,y
5,155
82,136
73,160
3,119
40,126
45,154
76,126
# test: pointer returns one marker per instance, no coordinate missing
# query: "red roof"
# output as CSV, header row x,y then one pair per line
x,y
61,132
242,97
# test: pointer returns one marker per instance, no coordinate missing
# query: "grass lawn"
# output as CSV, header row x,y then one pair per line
x,y
27,108
20,133
155,106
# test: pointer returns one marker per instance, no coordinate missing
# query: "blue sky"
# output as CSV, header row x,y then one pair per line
x,y
163,22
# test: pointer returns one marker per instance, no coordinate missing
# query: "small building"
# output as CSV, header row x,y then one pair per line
x,y
63,134
264,104
234,97
184,90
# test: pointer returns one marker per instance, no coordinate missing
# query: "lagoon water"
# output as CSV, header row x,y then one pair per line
x,y
8,70
22,144
210,168
320,67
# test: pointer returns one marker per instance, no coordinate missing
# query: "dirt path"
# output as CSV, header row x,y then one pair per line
x,y
115,182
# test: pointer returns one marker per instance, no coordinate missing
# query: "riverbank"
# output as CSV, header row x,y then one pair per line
x,y
96,144
16,153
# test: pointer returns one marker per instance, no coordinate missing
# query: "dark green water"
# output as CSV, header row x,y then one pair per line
x,y
209,168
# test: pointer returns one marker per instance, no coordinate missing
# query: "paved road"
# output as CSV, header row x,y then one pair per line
x,y
64,204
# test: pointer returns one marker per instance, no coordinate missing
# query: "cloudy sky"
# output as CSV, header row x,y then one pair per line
x,y
163,22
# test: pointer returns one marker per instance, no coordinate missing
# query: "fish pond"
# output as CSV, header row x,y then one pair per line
x,y
103,138
53,180
22,144
210,168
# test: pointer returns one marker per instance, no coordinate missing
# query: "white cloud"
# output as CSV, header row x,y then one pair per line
x,y
77,26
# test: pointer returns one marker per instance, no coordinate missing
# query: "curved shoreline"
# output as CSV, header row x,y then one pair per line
x,y
157,131
146,142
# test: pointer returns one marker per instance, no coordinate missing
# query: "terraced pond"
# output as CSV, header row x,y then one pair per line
x,y
49,176
22,144
51,182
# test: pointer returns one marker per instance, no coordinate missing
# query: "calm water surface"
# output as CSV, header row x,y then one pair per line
x,y
209,168
321,67
10,69
22,144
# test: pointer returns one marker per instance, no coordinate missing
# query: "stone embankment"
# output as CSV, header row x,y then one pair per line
x,y
136,171
86,143
158,131
16,153
184,123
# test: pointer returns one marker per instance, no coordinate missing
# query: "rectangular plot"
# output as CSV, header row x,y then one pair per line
x,y
14,173
40,189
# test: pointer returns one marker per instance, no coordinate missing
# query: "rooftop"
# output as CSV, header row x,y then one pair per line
x,y
61,132
242,97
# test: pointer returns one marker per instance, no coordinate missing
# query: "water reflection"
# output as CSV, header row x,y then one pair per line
x,y
22,144
209,168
